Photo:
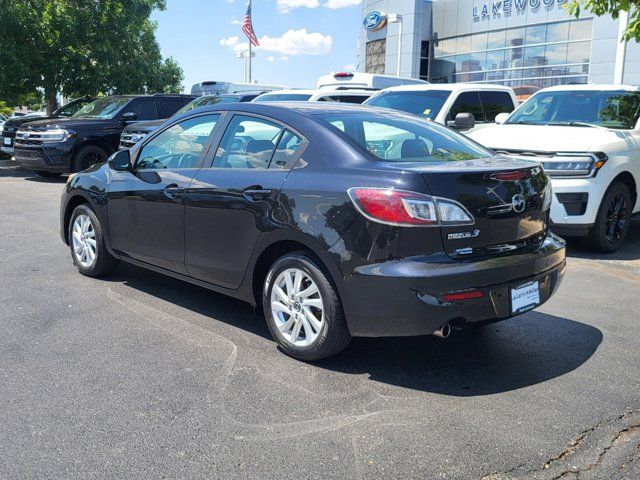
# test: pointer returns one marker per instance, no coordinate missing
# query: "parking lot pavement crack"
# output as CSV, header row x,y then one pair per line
x,y
589,455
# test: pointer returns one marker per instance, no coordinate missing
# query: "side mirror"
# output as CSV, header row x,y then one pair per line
x,y
501,118
128,117
120,161
463,121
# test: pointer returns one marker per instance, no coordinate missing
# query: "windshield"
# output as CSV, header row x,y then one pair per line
x,y
610,109
105,107
284,97
71,108
207,100
401,138
426,104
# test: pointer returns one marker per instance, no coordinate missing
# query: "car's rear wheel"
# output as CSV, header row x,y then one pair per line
x,y
88,156
613,220
44,174
303,310
87,245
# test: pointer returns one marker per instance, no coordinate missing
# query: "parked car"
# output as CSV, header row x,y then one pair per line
x,y
338,220
89,136
133,133
450,104
12,125
322,95
587,137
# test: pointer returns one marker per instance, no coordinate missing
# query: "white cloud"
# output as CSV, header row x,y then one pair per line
x,y
235,21
335,4
291,43
271,59
298,42
349,68
285,6
229,42
284,59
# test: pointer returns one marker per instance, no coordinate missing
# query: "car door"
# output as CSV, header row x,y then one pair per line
x,y
231,200
146,205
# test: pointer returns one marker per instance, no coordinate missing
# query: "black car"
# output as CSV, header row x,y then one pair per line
x,y
338,220
136,132
89,136
12,125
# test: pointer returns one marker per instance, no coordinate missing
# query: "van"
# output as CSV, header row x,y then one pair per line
x,y
371,81
214,87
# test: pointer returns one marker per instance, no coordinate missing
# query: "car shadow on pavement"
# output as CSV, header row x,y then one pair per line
x,y
9,168
630,250
509,355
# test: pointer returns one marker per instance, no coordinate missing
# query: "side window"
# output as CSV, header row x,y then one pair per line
x,y
467,102
494,103
287,149
179,146
144,108
169,106
248,143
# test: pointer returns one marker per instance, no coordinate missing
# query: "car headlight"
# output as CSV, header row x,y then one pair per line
x,y
574,165
54,136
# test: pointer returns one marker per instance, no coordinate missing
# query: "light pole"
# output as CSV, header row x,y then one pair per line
x,y
395,18
246,56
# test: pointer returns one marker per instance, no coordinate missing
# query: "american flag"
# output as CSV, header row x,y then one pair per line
x,y
247,27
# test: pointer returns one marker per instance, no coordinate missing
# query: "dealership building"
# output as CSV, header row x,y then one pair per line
x,y
525,44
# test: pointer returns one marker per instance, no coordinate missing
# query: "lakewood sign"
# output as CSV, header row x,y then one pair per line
x,y
505,7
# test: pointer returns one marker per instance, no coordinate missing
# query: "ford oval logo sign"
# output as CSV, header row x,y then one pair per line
x,y
375,21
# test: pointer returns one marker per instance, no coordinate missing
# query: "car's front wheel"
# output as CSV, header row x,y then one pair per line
x,y
88,156
87,245
613,220
303,310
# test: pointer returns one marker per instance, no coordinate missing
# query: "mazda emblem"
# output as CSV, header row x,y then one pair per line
x,y
518,201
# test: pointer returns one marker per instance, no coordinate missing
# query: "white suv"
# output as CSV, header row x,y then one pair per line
x,y
587,138
462,106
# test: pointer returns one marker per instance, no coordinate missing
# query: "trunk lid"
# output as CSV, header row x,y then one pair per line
x,y
504,196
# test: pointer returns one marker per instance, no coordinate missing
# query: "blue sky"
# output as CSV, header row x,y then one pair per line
x,y
304,39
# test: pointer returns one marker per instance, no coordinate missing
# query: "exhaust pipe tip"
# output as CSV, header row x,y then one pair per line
x,y
443,332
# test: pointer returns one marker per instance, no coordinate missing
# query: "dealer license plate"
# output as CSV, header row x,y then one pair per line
x,y
525,297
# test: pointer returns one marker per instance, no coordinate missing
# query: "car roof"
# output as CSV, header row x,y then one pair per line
x,y
287,91
451,87
280,110
591,87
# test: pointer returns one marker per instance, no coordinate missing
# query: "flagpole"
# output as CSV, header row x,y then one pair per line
x,y
250,59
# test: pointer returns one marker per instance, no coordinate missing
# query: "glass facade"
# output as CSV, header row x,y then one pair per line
x,y
529,57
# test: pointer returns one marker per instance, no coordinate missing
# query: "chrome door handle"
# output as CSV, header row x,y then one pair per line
x,y
256,193
173,191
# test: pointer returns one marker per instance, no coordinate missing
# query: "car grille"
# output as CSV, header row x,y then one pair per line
x,y
130,138
24,137
27,154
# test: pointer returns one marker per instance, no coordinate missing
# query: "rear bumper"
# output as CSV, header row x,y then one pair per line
x,y
404,297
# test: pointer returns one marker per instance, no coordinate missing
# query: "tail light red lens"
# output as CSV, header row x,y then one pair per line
x,y
395,207
401,207
452,297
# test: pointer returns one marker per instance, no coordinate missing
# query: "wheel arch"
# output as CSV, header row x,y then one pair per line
x,y
72,204
627,179
269,253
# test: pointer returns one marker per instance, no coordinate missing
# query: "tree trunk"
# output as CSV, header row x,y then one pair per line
x,y
51,99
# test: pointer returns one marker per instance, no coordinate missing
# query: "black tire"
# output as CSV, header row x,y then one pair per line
x,y
43,174
333,336
612,222
104,262
88,156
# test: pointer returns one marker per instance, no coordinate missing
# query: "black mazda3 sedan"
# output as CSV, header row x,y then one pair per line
x,y
338,221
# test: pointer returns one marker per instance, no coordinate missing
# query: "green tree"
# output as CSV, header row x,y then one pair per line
x,y
82,47
613,8
5,109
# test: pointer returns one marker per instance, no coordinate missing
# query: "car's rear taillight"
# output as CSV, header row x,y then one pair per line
x,y
401,207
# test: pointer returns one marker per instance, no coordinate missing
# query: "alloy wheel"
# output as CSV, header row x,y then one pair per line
x,y
84,240
616,218
297,307
90,159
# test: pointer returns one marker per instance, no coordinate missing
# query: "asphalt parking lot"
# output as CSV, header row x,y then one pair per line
x,y
142,376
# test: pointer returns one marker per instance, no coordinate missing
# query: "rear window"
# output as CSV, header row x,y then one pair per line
x,y
344,98
403,139
284,97
426,104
